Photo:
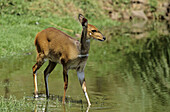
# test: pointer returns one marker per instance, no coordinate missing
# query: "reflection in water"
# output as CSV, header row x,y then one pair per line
x,y
153,67
126,74
44,105
168,26
151,64
41,106
6,87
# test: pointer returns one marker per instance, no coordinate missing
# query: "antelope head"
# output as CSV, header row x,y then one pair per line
x,y
92,31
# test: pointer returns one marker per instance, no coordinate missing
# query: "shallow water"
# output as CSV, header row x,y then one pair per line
x,y
114,81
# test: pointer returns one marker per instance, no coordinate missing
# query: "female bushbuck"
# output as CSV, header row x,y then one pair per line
x,y
58,47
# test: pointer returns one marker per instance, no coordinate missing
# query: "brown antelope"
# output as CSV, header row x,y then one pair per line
x,y
58,47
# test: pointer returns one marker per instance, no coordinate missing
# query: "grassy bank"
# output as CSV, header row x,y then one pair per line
x,y
18,32
20,21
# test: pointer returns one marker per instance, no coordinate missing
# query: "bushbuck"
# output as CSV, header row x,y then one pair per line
x,y
58,47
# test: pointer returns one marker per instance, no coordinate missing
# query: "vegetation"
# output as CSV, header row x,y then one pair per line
x,y
151,67
13,105
21,20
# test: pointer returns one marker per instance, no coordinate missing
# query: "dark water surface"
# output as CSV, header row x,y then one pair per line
x,y
127,73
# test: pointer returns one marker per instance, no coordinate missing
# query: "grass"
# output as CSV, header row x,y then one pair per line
x,y
20,21
17,41
18,32
14,105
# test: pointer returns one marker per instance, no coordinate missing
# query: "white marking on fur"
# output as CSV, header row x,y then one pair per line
x,y
47,82
81,55
36,96
88,40
87,97
45,60
80,76
36,81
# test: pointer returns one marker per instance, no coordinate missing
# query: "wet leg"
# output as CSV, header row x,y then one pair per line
x,y
40,62
35,68
83,85
47,72
65,77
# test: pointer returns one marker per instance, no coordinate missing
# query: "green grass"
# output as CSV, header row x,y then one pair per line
x,y
17,41
14,105
18,32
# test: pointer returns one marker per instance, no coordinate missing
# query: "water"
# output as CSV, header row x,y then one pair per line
x,y
130,72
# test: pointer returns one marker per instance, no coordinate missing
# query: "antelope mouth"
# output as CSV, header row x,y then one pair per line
x,y
104,38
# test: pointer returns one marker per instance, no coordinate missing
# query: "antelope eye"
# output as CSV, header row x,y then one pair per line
x,y
94,31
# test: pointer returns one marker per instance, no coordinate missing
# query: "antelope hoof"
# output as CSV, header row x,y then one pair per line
x,y
36,96
47,97
63,103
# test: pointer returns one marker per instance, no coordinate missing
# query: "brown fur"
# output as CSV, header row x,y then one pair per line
x,y
56,45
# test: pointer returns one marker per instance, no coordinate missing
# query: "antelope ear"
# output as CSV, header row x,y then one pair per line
x,y
80,17
82,20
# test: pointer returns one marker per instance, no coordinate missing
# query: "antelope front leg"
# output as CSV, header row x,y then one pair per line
x,y
83,85
35,85
47,72
35,68
65,77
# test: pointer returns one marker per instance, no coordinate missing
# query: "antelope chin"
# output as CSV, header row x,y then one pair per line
x,y
104,38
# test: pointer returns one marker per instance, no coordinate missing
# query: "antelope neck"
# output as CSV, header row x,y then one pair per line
x,y
84,52
85,43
